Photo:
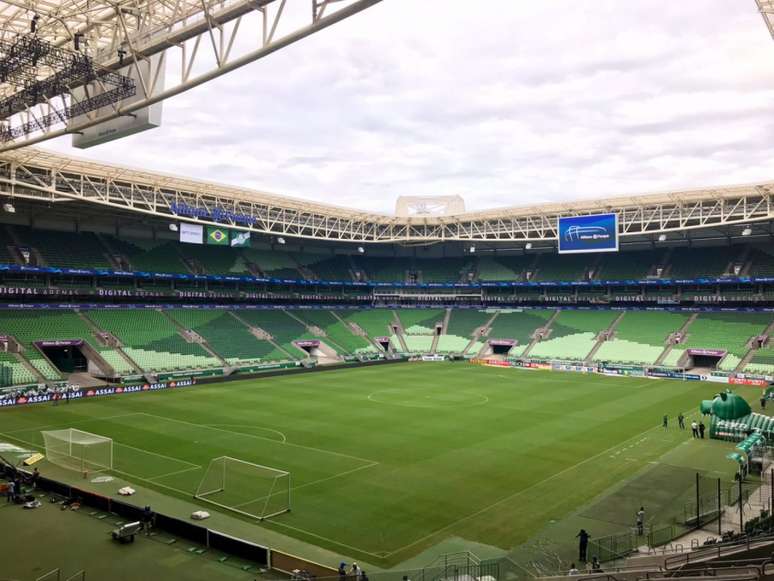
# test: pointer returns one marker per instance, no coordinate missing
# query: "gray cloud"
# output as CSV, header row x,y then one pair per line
x,y
514,103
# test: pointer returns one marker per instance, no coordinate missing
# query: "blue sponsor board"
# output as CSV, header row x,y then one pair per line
x,y
596,233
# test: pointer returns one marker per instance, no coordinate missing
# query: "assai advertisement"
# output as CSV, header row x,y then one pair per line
x,y
595,233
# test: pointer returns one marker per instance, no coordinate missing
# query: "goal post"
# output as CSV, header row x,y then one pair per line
x,y
78,450
246,488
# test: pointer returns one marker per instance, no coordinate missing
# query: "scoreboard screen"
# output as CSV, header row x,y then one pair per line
x,y
595,233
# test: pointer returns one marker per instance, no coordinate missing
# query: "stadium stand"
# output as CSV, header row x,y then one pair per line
x,y
419,343
13,372
690,263
152,340
214,259
640,337
633,265
65,249
463,322
573,334
761,260
149,256
383,269
345,341
730,332
273,264
762,361
519,325
283,328
564,267
227,336
443,270
326,267
375,322
420,321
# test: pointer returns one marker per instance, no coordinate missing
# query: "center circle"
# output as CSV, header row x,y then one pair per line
x,y
420,398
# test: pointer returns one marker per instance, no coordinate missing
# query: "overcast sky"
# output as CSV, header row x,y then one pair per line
x,y
518,103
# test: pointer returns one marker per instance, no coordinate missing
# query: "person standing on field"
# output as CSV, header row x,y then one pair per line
x,y
694,429
641,521
681,421
665,422
701,430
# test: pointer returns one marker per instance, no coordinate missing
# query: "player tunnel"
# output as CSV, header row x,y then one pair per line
x,y
705,358
73,356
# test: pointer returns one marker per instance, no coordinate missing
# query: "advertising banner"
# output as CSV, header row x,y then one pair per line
x,y
36,394
595,233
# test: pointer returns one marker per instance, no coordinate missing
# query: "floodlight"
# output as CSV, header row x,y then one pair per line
x,y
280,240
661,237
361,250
528,246
173,227
9,208
472,250
747,231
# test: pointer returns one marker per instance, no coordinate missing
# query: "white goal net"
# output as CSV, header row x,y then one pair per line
x,y
78,450
249,489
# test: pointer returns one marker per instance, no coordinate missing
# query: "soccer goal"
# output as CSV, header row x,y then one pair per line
x,y
249,489
77,450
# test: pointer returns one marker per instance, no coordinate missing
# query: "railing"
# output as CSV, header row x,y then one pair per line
x,y
719,549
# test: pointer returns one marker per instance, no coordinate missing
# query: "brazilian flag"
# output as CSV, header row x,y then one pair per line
x,y
217,236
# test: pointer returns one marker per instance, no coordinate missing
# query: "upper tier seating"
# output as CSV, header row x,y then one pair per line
x,y
383,269
761,261
65,249
564,267
228,337
151,340
573,334
375,322
442,269
155,256
694,263
326,267
633,265
273,263
640,337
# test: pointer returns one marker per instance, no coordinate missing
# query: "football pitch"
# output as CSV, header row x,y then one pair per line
x,y
387,461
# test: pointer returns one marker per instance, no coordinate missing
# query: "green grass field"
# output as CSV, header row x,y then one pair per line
x,y
388,461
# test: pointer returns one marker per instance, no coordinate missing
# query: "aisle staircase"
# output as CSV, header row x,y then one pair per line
x,y
670,346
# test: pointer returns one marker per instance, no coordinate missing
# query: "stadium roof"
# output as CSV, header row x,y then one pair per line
x,y
44,176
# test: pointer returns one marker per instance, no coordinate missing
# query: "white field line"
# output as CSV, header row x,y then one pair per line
x,y
157,454
339,475
281,434
321,450
40,428
188,494
154,478
522,491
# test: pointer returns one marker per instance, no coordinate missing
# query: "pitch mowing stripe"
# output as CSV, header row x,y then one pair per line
x,y
522,491
322,450
157,454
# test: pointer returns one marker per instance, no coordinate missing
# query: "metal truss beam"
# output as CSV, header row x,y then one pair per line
x,y
271,215
194,42
766,8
